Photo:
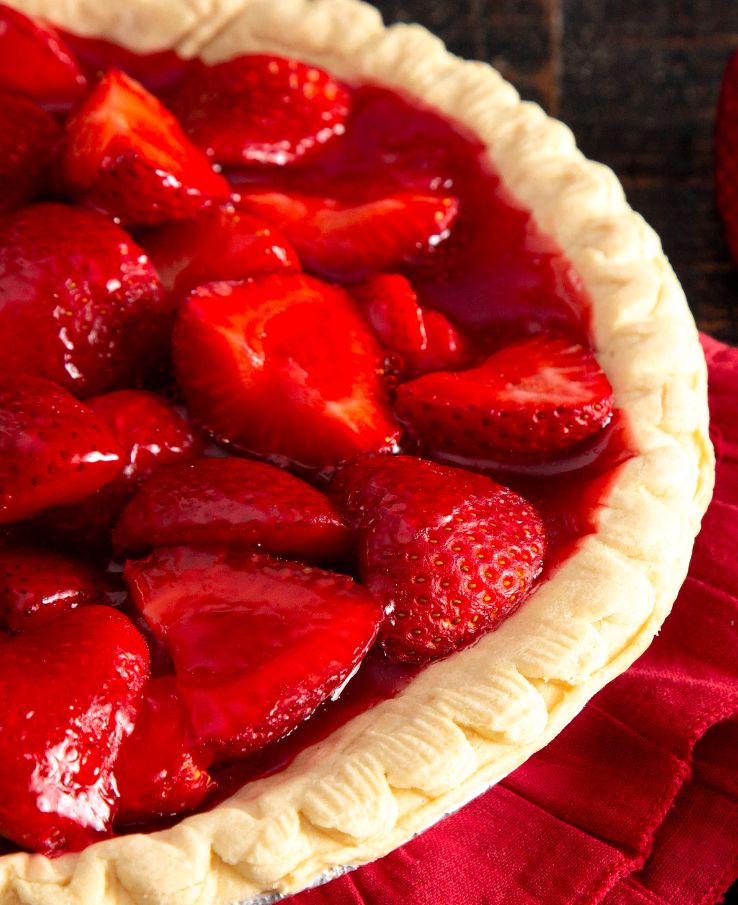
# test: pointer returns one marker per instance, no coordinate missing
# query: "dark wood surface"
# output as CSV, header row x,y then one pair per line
x,y
638,83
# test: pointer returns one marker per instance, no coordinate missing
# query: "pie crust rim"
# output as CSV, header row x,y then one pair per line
x,y
466,722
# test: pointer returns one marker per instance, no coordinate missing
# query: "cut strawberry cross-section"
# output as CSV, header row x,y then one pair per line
x,y
261,109
53,449
80,302
527,402
450,554
35,62
68,696
222,243
128,156
29,141
284,367
233,503
343,242
257,643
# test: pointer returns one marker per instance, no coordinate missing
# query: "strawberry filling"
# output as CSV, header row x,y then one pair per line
x,y
341,417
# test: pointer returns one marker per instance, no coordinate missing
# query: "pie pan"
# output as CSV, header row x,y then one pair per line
x,y
464,723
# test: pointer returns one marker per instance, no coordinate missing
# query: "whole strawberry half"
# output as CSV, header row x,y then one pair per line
x,y
425,340
160,770
260,109
53,449
151,434
233,503
127,155
80,302
448,553
35,62
726,154
222,243
284,367
343,242
29,138
68,696
257,643
527,402
36,585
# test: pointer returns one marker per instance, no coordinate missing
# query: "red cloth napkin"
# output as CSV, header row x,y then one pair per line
x,y
636,802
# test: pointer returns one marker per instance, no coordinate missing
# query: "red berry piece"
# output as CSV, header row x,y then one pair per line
x,y
79,301
159,770
126,155
53,449
726,154
68,696
29,139
219,244
347,243
261,109
450,554
528,402
425,340
233,503
257,643
35,62
37,585
283,367
151,433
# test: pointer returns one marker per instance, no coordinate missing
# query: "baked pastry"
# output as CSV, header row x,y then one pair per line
x,y
466,721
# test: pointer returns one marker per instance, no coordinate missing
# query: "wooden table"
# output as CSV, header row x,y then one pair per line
x,y
638,83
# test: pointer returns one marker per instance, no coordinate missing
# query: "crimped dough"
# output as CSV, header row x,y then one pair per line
x,y
466,722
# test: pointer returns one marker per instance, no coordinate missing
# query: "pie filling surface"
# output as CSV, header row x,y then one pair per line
x,y
260,597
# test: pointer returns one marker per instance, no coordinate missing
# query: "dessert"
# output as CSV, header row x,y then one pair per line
x,y
613,502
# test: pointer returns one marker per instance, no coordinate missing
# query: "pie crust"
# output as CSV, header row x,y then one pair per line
x,y
466,722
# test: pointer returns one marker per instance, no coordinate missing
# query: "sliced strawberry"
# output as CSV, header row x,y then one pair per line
x,y
261,109
450,554
29,138
726,154
527,402
79,301
53,449
347,243
159,770
283,367
233,503
219,244
257,643
425,340
35,62
37,585
68,695
151,434
127,156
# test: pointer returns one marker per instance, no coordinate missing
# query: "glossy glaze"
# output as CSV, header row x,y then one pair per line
x,y
497,277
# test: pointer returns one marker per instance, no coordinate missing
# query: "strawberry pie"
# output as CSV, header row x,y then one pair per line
x,y
353,435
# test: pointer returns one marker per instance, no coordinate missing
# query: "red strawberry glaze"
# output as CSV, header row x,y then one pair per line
x,y
498,278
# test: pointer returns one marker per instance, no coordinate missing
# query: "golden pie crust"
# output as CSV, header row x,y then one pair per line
x,y
468,721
